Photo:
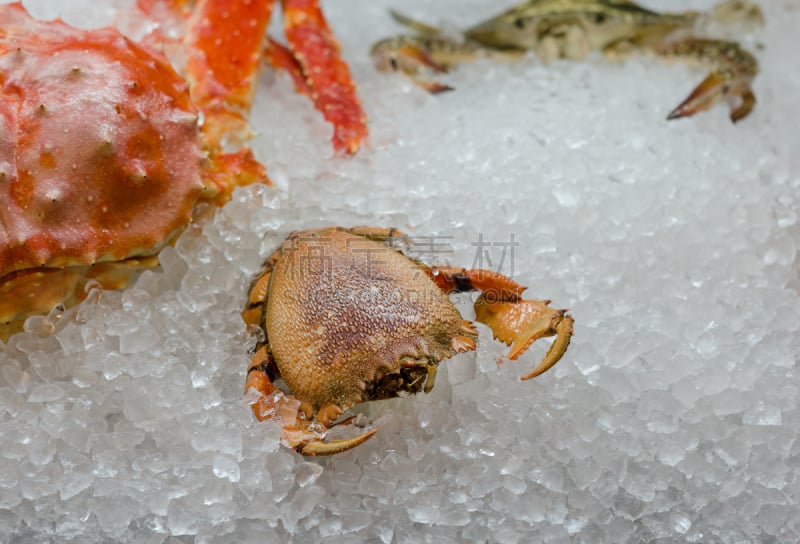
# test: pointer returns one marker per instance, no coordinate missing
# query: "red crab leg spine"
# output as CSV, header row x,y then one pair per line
x,y
333,91
226,40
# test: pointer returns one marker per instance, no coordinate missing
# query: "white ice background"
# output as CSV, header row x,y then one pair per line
x,y
674,416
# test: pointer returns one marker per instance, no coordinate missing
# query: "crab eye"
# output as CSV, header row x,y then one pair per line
x,y
393,63
519,23
599,18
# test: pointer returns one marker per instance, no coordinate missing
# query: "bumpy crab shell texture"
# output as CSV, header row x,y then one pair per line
x,y
100,156
362,312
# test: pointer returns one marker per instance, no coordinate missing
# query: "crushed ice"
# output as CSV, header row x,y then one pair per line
x,y
673,416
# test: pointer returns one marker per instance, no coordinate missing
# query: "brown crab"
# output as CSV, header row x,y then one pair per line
x,y
344,317
106,150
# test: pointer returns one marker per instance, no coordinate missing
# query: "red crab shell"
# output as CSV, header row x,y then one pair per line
x,y
100,158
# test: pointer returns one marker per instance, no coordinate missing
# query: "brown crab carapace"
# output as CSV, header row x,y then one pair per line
x,y
345,317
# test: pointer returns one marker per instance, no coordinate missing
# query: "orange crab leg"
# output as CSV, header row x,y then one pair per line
x,y
226,40
221,69
451,279
173,7
280,58
169,11
229,170
273,403
296,431
333,91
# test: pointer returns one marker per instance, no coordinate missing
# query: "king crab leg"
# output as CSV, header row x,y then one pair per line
x,y
226,41
281,58
333,91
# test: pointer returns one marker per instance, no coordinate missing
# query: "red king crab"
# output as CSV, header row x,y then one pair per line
x,y
107,149
343,317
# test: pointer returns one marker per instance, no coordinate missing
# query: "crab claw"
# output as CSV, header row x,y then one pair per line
x,y
319,447
520,323
434,87
713,88
747,101
403,54
309,442
406,55
297,430
732,72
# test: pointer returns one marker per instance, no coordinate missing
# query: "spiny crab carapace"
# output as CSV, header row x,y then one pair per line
x,y
343,317
106,150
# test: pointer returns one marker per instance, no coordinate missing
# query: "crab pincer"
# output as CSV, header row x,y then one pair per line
x,y
514,321
414,57
519,323
732,72
298,429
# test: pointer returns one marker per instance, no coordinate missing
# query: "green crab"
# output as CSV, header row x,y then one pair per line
x,y
572,29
